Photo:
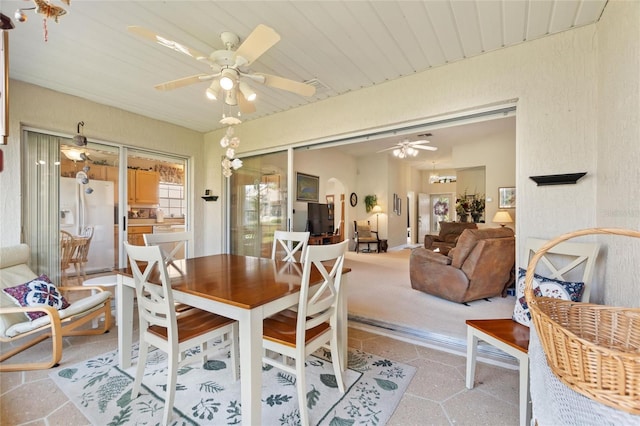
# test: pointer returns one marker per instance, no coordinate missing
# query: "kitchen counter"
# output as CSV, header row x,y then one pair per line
x,y
153,222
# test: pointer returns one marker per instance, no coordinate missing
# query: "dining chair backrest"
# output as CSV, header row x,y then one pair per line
x,y
67,249
566,261
171,243
320,305
83,251
291,243
155,302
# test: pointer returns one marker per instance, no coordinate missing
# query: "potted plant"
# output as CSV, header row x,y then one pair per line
x,y
370,201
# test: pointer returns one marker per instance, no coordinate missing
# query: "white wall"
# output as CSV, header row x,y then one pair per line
x,y
497,153
618,150
555,81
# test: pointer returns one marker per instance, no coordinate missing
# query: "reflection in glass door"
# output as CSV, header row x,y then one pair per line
x,y
157,196
258,207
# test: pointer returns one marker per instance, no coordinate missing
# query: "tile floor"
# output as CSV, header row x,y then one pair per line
x,y
436,396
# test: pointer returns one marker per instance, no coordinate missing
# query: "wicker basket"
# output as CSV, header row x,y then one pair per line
x,y
593,349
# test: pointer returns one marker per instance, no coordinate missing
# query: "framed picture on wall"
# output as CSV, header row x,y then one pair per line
x,y
507,198
307,187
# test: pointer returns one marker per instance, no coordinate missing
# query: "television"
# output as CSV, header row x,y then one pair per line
x,y
319,221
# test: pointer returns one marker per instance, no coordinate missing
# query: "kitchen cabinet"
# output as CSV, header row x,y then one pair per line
x,y
97,172
135,234
143,187
68,168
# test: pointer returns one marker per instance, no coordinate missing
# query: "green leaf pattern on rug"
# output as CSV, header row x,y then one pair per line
x,y
278,399
211,387
312,397
214,365
387,385
68,373
110,390
364,404
329,380
206,407
234,412
122,418
286,379
290,419
102,392
359,361
337,421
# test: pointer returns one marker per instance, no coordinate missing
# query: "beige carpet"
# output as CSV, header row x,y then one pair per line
x,y
380,295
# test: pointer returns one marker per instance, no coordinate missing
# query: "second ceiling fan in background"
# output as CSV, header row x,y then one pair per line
x,y
406,148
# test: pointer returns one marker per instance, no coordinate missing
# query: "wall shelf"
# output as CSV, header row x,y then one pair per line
x,y
569,178
210,197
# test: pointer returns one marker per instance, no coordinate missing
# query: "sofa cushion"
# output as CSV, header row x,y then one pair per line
x,y
543,287
37,292
468,240
449,231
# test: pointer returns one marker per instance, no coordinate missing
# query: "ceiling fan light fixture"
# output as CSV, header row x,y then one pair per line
x,y
227,79
247,92
213,92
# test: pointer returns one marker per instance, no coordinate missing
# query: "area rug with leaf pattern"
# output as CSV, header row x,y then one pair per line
x,y
207,395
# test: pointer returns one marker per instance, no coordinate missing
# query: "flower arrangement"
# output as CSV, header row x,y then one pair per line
x,y
463,204
477,204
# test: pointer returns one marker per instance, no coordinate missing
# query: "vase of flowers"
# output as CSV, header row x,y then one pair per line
x,y
463,207
477,206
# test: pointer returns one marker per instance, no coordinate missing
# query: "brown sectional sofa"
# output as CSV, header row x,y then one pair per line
x,y
479,266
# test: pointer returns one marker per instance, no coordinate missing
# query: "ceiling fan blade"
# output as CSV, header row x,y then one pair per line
x,y
261,39
419,142
246,107
173,45
426,148
181,82
388,149
289,85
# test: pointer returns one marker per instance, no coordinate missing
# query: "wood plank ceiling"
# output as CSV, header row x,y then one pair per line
x,y
342,45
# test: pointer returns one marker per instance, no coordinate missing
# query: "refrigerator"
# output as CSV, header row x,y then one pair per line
x,y
80,207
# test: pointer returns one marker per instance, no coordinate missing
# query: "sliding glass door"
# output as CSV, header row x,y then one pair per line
x,y
258,207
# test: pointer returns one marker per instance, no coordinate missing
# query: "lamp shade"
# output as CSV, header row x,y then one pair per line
x,y
377,209
502,217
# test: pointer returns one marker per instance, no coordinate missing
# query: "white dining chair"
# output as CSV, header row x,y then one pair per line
x,y
512,337
171,244
161,328
288,243
295,336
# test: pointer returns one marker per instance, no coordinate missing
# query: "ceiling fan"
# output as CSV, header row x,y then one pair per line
x,y
406,148
230,67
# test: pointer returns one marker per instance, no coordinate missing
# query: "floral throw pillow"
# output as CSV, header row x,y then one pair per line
x,y
37,292
543,287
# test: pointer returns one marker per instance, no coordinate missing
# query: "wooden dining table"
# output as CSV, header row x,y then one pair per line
x,y
247,289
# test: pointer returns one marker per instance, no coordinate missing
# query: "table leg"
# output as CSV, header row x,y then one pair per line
x,y
250,325
124,300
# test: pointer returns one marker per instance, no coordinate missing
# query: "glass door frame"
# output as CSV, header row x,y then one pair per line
x,y
227,211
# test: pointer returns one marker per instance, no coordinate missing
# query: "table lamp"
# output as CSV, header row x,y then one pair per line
x,y
502,218
377,209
